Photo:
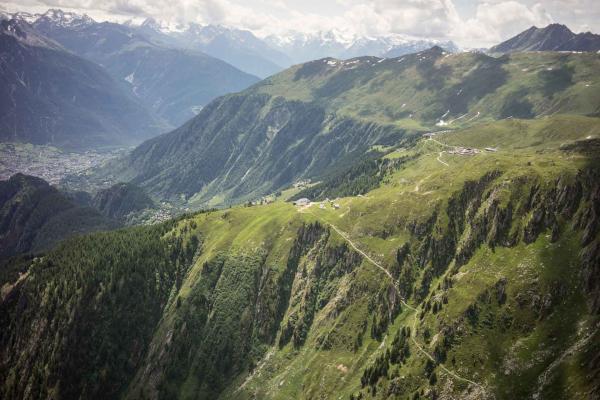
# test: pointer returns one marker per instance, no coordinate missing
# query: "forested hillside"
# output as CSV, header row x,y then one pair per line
x,y
35,216
120,200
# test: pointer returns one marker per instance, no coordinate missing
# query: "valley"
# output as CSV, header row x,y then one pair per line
x,y
49,163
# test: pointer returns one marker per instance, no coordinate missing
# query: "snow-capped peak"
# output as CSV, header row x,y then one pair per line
x,y
66,19
296,38
24,16
151,23
163,26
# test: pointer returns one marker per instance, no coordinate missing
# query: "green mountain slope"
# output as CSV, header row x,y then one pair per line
x,y
455,276
320,116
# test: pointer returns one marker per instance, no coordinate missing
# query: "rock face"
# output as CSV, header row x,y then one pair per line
x,y
50,96
554,37
35,216
495,225
120,200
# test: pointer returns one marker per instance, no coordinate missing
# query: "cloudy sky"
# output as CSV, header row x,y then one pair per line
x,y
470,23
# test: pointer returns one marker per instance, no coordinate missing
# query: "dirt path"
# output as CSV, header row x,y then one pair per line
x,y
402,301
418,185
365,255
472,118
439,158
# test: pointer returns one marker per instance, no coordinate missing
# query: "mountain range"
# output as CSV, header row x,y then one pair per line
x,y
173,83
302,47
173,72
161,63
239,48
554,37
266,56
51,96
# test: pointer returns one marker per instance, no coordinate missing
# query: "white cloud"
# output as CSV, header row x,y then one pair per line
x,y
482,23
430,18
496,21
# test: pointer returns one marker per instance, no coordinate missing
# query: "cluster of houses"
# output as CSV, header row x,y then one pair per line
x,y
464,151
303,202
468,151
47,162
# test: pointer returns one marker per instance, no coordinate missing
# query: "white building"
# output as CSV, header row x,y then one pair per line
x,y
302,202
